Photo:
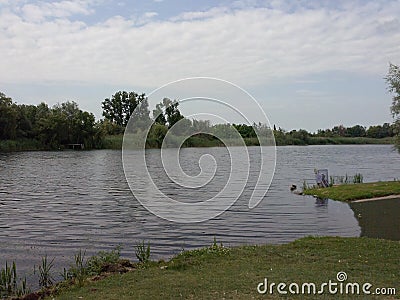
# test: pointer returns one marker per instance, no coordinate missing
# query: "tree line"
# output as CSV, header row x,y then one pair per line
x,y
32,127
337,135
43,127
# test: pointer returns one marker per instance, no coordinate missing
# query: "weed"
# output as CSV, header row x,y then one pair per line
x,y
78,270
45,277
305,187
9,282
358,178
194,257
142,252
96,263
82,268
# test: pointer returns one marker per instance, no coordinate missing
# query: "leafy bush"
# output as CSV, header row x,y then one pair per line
x,y
96,263
82,268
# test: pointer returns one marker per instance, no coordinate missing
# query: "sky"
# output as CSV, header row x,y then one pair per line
x,y
309,64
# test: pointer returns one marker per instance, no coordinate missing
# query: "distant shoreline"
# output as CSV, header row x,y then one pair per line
x,y
115,142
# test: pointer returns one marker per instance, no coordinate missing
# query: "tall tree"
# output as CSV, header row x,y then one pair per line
x,y
158,114
122,105
8,118
393,82
173,115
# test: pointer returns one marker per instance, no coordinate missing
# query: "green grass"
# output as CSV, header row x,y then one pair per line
x,y
20,145
113,142
216,272
348,140
348,192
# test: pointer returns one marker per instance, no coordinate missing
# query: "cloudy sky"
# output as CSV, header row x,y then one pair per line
x,y
310,64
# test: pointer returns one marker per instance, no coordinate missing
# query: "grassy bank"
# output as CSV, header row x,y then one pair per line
x,y
233,273
337,140
348,192
20,145
348,140
115,141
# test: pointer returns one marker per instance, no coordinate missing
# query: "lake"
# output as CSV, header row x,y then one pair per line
x,y
57,203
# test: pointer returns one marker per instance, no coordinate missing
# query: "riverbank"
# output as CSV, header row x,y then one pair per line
x,y
115,142
217,272
360,191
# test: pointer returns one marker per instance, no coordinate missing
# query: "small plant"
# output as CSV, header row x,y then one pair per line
x,y
217,249
66,275
77,271
8,282
305,187
96,263
214,249
142,252
83,268
23,288
358,178
45,277
196,256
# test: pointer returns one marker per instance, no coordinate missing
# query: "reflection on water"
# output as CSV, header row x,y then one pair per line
x,y
56,203
321,202
378,219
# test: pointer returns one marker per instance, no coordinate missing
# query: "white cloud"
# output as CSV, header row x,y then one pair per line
x,y
193,15
150,14
41,10
246,46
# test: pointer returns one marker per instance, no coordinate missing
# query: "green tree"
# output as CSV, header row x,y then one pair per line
x,y
158,114
173,115
122,105
246,131
8,118
393,82
339,130
378,131
356,131
299,137
66,124
224,131
26,120
201,125
156,135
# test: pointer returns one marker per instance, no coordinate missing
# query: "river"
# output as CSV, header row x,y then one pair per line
x,y
56,203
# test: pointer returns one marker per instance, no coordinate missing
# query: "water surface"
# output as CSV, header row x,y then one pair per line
x,y
56,203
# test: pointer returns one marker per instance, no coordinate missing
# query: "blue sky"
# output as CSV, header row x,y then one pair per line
x,y
310,64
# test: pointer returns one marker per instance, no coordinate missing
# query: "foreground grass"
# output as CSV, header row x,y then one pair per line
x,y
218,272
348,192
